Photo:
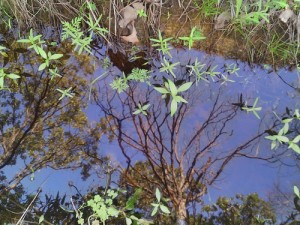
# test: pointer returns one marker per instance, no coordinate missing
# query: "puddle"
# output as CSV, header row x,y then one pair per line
x,y
204,140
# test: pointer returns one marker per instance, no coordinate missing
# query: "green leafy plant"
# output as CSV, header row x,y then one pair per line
x,y
254,109
171,90
120,84
281,137
195,35
54,73
139,75
72,30
197,71
167,67
35,41
141,13
232,69
47,58
4,75
162,44
141,109
159,205
65,93
95,27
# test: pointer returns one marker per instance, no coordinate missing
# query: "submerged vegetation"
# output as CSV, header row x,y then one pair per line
x,y
50,53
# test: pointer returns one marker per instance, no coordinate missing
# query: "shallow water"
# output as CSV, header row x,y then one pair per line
x,y
275,90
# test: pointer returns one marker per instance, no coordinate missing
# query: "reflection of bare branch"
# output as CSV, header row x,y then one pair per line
x,y
182,159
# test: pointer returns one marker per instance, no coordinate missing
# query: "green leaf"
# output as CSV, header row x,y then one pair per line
x,y
180,99
133,199
173,88
13,76
185,87
145,107
128,221
41,219
161,90
282,138
273,145
56,56
157,194
154,211
273,138
296,139
295,147
164,209
42,66
296,191
173,107
42,53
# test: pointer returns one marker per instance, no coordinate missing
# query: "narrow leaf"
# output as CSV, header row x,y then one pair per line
x,y
185,87
164,209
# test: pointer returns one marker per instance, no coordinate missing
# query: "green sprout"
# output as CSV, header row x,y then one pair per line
x,y
47,58
54,73
162,44
65,93
119,84
166,66
141,109
171,89
195,35
35,41
196,69
253,108
232,69
4,75
281,137
159,204
141,13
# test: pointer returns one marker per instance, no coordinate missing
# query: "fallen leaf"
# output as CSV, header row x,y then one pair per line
x,y
286,15
132,38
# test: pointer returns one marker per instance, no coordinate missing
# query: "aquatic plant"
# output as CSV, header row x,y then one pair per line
x,y
195,35
170,89
162,44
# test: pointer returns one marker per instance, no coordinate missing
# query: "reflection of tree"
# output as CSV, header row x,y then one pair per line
x,y
184,153
38,130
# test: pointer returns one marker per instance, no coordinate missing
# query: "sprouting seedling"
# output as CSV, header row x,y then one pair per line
x,y
280,137
159,205
171,89
232,69
95,26
54,73
4,75
254,109
65,93
141,109
119,84
162,43
195,35
166,66
35,41
196,70
47,58
211,72
141,13
225,79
